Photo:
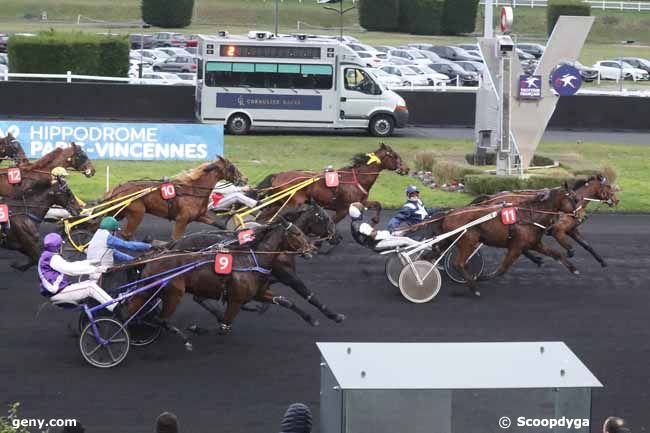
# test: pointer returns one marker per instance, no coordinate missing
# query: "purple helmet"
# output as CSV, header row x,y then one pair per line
x,y
52,242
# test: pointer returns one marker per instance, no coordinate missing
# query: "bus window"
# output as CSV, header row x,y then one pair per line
x,y
269,75
358,80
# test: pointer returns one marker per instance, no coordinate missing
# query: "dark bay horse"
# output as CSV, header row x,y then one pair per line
x,y
534,216
595,188
72,157
11,149
354,184
249,279
27,209
192,187
311,219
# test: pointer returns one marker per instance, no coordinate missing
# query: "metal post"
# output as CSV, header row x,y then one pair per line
x,y
341,20
276,16
108,176
141,47
488,31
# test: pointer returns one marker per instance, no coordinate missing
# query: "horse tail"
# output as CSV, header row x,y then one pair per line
x,y
265,185
480,199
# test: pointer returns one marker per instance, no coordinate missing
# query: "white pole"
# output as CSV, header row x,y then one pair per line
x,y
108,176
488,31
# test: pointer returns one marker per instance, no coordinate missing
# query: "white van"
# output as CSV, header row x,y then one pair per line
x,y
261,80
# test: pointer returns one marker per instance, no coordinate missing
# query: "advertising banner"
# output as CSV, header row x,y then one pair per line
x,y
120,141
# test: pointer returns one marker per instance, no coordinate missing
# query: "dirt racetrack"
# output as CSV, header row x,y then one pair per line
x,y
244,381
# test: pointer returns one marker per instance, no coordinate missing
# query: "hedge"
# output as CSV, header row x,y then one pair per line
x,y
421,17
82,53
491,184
459,16
379,15
556,8
167,13
491,159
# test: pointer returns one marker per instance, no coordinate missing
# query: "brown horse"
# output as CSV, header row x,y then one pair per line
x,y
11,149
27,209
355,182
249,279
72,157
595,188
192,187
534,216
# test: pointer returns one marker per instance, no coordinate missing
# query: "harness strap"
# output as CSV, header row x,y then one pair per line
x,y
256,268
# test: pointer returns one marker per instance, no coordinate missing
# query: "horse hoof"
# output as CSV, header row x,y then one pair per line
x,y
224,329
196,329
338,318
188,346
570,253
476,293
313,322
603,264
576,272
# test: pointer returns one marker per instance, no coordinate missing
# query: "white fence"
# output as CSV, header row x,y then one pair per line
x,y
69,77
595,4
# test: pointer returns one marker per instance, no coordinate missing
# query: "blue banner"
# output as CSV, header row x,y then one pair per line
x,y
269,102
566,80
125,141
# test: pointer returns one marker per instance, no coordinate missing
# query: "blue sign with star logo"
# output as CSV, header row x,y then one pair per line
x,y
566,80
530,87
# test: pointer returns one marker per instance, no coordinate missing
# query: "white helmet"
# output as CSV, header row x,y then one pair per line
x,y
355,210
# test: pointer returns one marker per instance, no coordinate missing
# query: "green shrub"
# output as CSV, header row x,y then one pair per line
x,y
445,172
491,159
491,184
556,8
459,16
421,17
81,53
167,13
379,15
6,423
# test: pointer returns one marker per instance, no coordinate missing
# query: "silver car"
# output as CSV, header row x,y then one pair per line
x,y
176,64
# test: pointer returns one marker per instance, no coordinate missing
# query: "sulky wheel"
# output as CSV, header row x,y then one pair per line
x,y
81,238
474,266
420,281
107,346
394,266
147,327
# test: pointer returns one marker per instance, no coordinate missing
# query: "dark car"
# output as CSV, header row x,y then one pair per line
x,y
456,73
3,42
176,64
472,66
141,41
536,50
588,74
453,53
169,39
637,62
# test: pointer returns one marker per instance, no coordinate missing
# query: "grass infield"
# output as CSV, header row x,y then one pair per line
x,y
260,155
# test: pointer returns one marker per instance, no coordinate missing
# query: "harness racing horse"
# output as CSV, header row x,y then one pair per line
x,y
248,280
27,209
311,219
72,157
533,218
355,182
192,191
11,149
595,188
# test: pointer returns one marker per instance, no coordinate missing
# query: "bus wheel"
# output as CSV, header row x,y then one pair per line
x,y
381,125
239,124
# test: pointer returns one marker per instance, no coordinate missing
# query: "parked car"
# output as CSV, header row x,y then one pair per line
x,y
3,69
453,53
387,80
537,50
372,60
433,78
169,39
472,66
141,41
3,42
192,50
161,78
136,56
383,48
524,55
171,52
4,60
456,73
358,46
399,61
176,64
188,78
411,55
614,70
468,47
408,76
433,57
588,74
153,55
636,62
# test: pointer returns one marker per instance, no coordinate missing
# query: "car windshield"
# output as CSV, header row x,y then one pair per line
x,y
408,71
468,66
380,73
644,62
626,65
364,54
417,55
417,70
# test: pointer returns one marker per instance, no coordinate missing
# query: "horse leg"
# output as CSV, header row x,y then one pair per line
x,y
225,327
268,296
556,255
214,311
511,256
339,215
289,278
134,215
179,226
533,258
560,236
376,206
466,247
171,297
28,245
577,236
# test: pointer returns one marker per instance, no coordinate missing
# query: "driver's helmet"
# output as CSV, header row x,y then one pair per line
x,y
59,172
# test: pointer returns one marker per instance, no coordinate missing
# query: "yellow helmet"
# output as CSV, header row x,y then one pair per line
x,y
59,171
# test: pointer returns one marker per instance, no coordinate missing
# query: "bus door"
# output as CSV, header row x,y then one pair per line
x,y
359,94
